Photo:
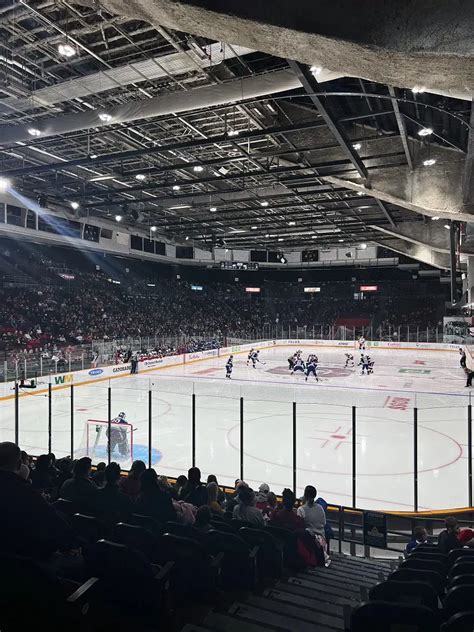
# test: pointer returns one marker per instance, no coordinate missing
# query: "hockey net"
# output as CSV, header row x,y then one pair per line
x,y
95,441
469,349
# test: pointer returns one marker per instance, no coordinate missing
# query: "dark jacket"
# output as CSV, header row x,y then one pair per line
x,y
156,504
114,505
447,541
194,494
28,525
83,493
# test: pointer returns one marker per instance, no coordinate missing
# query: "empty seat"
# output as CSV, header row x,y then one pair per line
x,y
459,599
461,567
460,580
222,525
31,597
289,539
239,563
147,522
428,554
383,615
455,554
88,528
270,554
437,581
140,539
410,593
461,622
424,564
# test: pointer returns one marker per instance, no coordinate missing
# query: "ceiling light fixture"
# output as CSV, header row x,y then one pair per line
x,y
280,238
104,117
213,209
253,227
363,246
187,237
316,70
66,50
233,132
118,218
429,162
357,146
75,205
4,184
425,131
198,168
263,203
435,218
93,156
447,226
267,235
140,176
291,223
340,241
176,187
360,192
153,229
271,108
418,89
32,131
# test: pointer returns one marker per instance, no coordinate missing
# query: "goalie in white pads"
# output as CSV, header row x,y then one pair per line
x,y
118,436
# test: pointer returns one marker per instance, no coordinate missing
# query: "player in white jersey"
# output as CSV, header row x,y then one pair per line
x,y
364,363
361,342
371,365
299,366
349,360
291,361
249,357
256,358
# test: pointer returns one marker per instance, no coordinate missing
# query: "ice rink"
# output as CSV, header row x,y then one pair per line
x,y
430,381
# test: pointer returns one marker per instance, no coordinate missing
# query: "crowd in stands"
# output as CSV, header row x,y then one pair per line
x,y
30,491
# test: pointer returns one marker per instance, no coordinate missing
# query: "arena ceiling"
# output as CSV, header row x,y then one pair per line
x,y
202,141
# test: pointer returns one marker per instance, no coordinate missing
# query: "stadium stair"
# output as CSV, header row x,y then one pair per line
x,y
313,600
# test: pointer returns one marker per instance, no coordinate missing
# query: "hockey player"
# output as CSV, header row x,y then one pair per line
x,y
229,366
291,361
361,342
311,368
364,363
256,358
118,436
249,357
298,366
134,363
349,360
462,359
371,365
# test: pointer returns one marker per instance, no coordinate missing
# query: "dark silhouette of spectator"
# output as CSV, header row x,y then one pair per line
x,y
203,519
285,516
181,481
153,501
80,489
420,536
64,472
212,495
28,525
246,510
194,492
212,478
234,499
114,505
131,485
98,478
41,477
448,539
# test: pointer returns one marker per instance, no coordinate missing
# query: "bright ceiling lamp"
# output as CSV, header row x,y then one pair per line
x,y
213,209
33,131
363,246
263,203
360,192
435,218
233,132
291,223
4,184
118,218
75,205
198,168
418,89
104,117
140,176
153,229
176,187
429,162
253,227
357,146
425,131
66,50
316,70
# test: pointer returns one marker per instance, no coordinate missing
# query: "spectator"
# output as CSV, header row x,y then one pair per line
x,y
79,489
114,505
153,501
41,478
194,492
131,485
261,497
312,513
98,478
181,481
65,471
286,517
212,495
203,519
220,493
246,510
448,539
28,525
234,500
420,536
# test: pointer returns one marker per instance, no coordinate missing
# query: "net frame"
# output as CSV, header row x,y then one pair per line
x,y
105,425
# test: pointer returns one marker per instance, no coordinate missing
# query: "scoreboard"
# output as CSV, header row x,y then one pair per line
x,y
238,265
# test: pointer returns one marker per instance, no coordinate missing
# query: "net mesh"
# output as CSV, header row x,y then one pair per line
x,y
95,440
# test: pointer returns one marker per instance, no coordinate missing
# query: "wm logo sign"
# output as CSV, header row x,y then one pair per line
x,y
64,379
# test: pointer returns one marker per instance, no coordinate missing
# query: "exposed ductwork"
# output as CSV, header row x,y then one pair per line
x,y
198,98
174,64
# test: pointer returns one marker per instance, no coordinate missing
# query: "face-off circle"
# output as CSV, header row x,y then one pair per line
x,y
327,371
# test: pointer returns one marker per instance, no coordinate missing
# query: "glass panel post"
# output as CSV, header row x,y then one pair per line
x,y
415,458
